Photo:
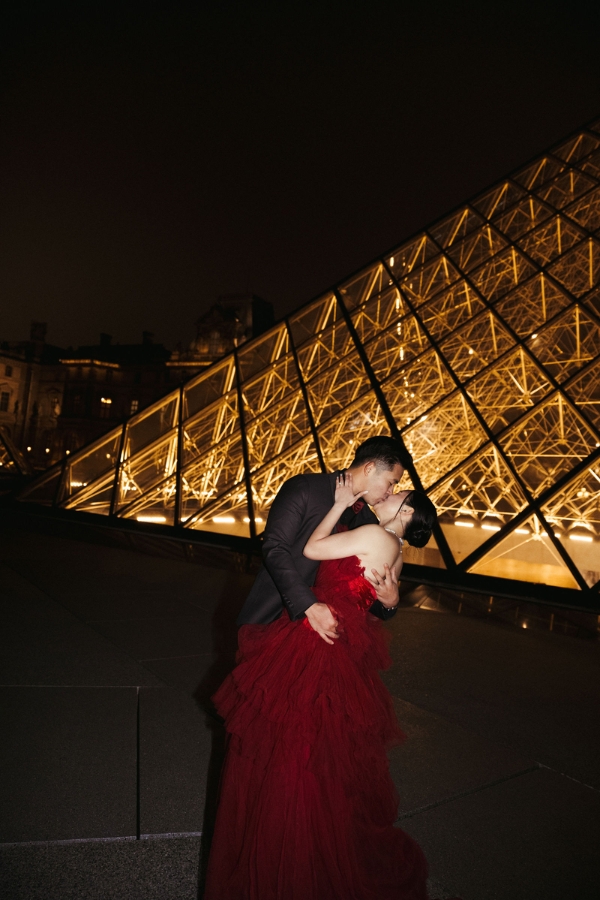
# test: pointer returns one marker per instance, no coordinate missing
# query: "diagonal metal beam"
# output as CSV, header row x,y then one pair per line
x,y
439,535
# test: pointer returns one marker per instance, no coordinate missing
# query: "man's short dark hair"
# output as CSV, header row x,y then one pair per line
x,y
386,452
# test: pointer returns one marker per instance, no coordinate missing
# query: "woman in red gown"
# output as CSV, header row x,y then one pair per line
x,y
307,804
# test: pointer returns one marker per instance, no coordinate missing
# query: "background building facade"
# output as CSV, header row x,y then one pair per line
x,y
53,401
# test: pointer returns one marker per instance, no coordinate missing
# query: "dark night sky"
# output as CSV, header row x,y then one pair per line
x,y
155,156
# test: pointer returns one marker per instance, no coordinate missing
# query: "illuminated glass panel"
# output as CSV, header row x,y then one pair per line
x,y
413,389
527,214
476,501
504,392
213,472
501,274
208,387
476,345
95,498
148,426
412,255
592,166
340,437
326,348
586,211
379,313
476,248
427,281
204,436
498,199
592,301
227,515
566,188
440,440
396,346
579,270
260,353
539,172
575,513
91,463
450,309
372,283
276,430
585,391
337,387
547,443
550,240
301,458
313,318
567,343
456,227
141,472
578,147
531,304
527,554
270,387
156,505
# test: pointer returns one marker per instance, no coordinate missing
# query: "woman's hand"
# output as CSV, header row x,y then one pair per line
x,y
344,492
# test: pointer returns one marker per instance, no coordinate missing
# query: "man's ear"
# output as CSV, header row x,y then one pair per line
x,y
368,468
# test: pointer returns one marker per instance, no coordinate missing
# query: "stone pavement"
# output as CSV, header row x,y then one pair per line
x,y
109,763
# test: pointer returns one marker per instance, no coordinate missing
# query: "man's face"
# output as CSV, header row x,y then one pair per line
x,y
380,483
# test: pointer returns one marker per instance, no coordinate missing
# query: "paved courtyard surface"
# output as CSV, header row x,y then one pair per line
x,y
109,760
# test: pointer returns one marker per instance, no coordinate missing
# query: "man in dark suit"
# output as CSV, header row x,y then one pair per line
x,y
284,582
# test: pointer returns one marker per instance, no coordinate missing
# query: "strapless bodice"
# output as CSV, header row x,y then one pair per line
x,y
343,581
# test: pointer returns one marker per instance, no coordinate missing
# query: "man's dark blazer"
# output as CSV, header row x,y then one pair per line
x,y
286,576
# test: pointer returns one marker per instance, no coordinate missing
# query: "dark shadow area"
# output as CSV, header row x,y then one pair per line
x,y
225,644
213,781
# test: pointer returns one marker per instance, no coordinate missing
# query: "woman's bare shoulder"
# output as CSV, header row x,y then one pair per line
x,y
378,536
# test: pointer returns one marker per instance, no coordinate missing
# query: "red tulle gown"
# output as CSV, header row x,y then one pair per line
x,y
307,804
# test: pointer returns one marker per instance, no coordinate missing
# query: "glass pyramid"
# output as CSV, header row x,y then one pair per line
x,y
12,461
477,342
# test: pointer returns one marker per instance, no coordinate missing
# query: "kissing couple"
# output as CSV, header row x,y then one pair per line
x,y
307,805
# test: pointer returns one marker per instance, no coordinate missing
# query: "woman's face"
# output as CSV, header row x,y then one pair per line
x,y
394,508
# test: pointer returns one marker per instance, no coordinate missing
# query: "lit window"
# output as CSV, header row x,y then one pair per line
x,y
134,407
105,405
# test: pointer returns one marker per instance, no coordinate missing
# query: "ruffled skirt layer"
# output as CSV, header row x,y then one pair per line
x,y
307,804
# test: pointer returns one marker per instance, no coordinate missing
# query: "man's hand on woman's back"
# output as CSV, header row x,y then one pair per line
x,y
323,621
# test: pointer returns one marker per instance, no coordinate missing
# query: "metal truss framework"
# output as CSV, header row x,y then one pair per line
x,y
477,342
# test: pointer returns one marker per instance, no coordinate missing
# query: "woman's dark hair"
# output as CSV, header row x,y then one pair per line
x,y
386,452
418,530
